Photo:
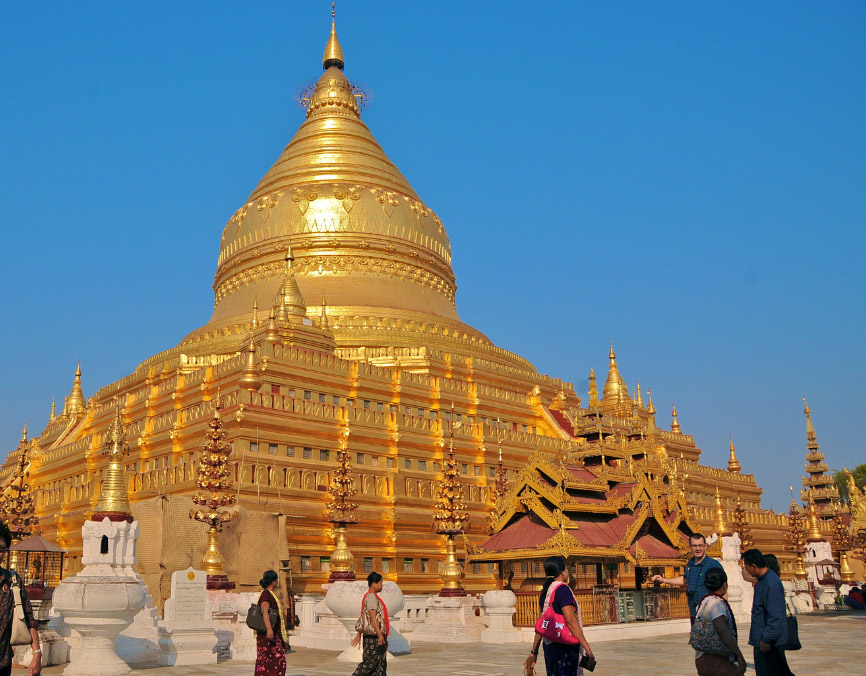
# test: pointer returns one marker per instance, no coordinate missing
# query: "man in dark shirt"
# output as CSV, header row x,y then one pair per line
x,y
769,631
693,578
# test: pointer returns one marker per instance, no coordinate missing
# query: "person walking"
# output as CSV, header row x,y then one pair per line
x,y
714,614
374,658
693,577
271,645
560,659
10,580
769,630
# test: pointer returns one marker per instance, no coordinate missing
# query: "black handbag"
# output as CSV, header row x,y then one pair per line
x,y
793,642
256,622
588,662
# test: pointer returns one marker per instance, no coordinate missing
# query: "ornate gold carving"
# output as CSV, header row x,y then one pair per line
x,y
339,265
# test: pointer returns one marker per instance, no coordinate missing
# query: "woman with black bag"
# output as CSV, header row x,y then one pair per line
x,y
714,633
271,644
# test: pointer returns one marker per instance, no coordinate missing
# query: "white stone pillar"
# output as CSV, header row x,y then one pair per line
x,y
501,604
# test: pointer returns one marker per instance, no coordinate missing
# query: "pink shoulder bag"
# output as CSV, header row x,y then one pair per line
x,y
551,625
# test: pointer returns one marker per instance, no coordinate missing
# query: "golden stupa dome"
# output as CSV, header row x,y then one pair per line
x,y
361,238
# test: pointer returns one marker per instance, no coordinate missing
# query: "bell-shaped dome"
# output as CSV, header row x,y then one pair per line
x,y
360,235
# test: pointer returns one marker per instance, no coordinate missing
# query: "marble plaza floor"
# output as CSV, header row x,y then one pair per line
x,y
832,646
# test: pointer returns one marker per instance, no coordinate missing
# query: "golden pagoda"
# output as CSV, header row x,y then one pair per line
x,y
388,356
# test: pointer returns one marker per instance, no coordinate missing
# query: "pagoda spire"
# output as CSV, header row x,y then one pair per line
x,y
638,396
76,403
53,411
733,463
675,423
254,325
113,502
719,525
817,478
615,391
291,294
593,389
272,335
250,378
333,52
323,323
650,407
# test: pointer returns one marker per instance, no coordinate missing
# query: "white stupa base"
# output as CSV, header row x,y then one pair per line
x,y
501,604
187,646
451,619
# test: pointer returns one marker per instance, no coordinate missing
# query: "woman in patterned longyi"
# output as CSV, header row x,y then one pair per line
x,y
271,645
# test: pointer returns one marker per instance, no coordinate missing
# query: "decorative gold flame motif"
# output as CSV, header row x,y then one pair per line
x,y
215,483
741,526
339,508
796,538
450,516
17,506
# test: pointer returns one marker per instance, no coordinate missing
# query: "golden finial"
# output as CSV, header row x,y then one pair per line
x,y
651,409
282,315
733,463
250,378
638,396
291,294
323,324
814,533
53,415
593,389
76,403
24,434
615,390
675,425
719,525
113,499
333,52
810,429
272,335
254,325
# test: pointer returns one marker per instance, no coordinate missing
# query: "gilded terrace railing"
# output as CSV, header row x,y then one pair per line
x,y
604,605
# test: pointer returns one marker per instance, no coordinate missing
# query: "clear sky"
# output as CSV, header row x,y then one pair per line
x,y
688,179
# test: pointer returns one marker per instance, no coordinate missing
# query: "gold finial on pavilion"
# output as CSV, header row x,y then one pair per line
x,y
53,409
719,525
615,391
250,377
113,502
814,534
593,389
254,325
24,434
76,403
638,396
650,408
733,463
675,424
333,52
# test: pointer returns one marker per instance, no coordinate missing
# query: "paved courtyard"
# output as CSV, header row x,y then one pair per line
x,y
832,646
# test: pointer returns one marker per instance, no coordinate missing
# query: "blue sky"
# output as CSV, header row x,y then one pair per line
x,y
688,179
